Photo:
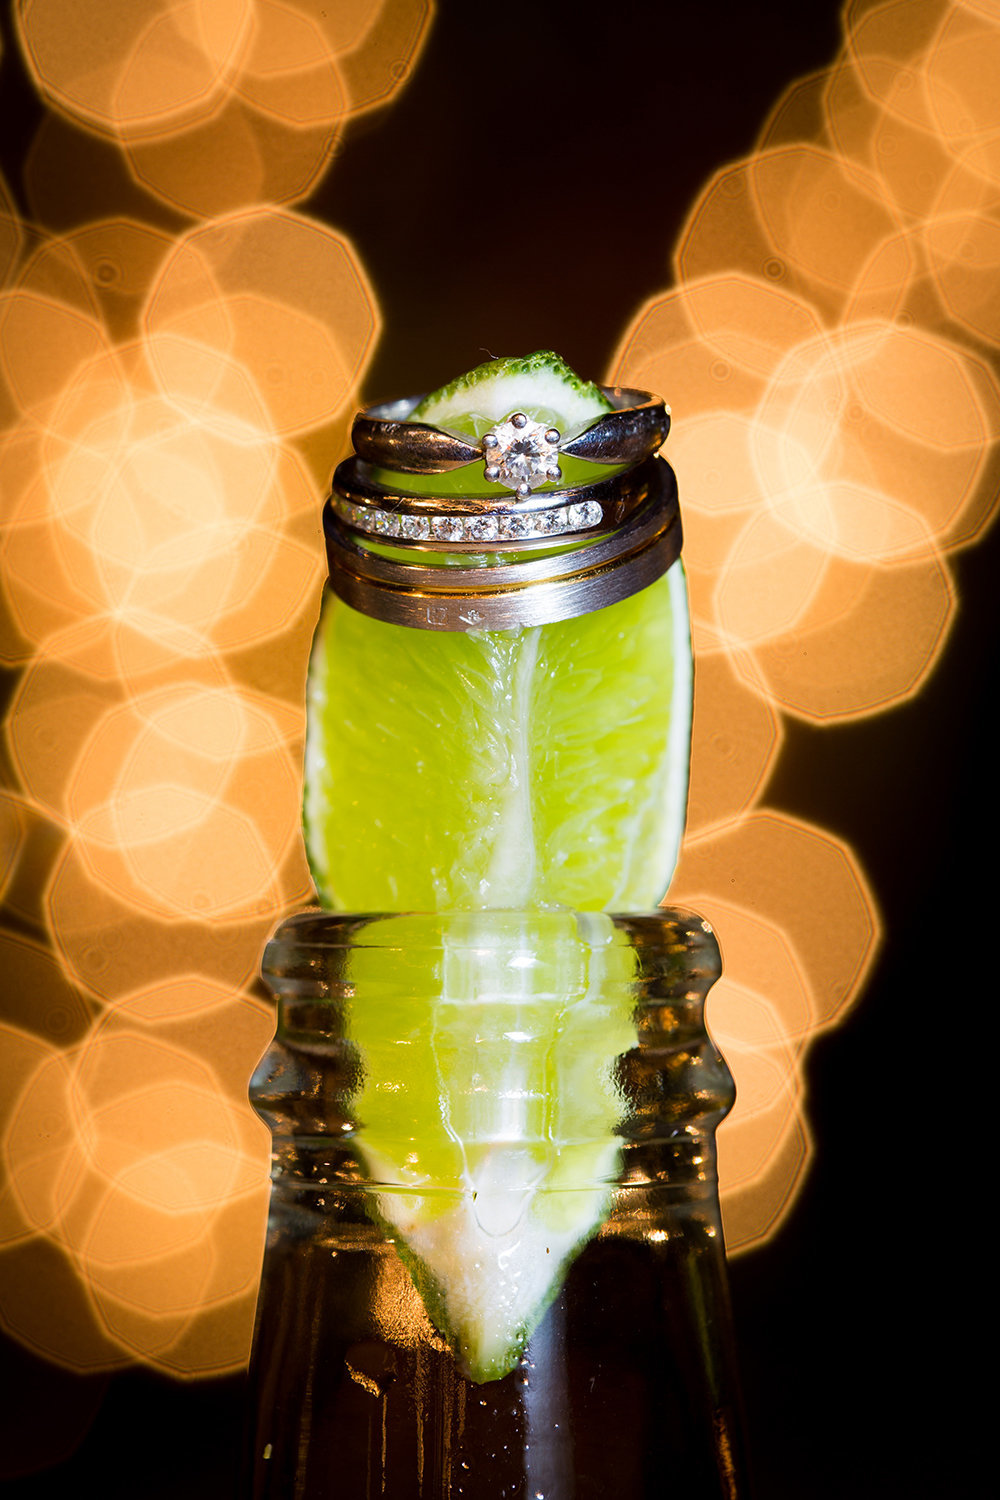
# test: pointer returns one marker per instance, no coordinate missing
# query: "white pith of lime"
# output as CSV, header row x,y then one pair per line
x,y
541,385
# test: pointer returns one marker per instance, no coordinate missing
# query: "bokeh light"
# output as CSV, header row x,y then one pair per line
x,y
164,394
104,268
42,343
119,67
761,881
220,104
829,351
281,294
11,235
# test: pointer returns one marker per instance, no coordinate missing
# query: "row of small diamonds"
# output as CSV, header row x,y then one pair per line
x,y
485,527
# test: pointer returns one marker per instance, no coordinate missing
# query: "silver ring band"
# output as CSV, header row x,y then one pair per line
x,y
383,435
539,591
469,523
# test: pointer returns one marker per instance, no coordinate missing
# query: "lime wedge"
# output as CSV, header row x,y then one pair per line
x,y
489,1109
541,385
516,771
508,768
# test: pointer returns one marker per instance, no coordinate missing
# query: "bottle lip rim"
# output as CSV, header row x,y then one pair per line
x,y
317,927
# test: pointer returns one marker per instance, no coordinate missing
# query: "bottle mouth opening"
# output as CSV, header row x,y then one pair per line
x,y
471,561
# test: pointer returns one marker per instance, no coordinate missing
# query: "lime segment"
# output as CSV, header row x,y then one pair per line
x,y
489,1109
496,776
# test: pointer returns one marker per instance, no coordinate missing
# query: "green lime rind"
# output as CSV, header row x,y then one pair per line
x,y
541,384
489,1108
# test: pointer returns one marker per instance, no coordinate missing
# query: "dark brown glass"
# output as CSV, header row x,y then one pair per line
x,y
628,1385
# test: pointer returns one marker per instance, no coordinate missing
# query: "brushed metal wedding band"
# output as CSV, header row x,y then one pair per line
x,y
383,435
574,580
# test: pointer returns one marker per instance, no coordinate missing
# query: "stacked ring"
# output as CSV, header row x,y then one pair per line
x,y
600,541
537,591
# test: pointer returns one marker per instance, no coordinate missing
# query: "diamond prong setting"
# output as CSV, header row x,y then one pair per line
x,y
521,455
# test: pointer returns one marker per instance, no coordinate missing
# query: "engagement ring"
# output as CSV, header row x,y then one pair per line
x,y
517,453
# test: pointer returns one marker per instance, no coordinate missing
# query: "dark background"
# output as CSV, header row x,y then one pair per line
x,y
861,1325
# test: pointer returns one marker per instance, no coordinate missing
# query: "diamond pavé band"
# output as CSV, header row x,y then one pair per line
x,y
467,523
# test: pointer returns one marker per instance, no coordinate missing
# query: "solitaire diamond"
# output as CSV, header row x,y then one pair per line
x,y
522,454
